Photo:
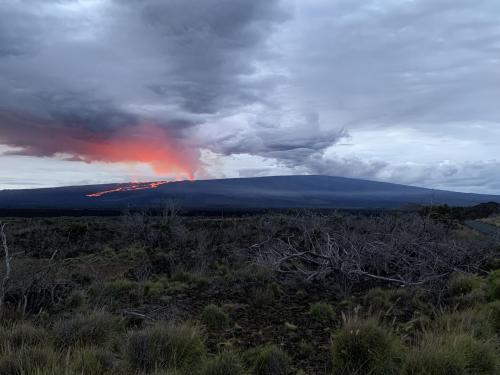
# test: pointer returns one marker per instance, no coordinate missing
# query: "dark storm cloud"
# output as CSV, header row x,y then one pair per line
x,y
211,47
277,79
74,69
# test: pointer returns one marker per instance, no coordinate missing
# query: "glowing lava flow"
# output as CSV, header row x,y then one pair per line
x,y
129,187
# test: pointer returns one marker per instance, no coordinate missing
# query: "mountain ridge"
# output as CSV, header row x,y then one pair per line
x,y
295,191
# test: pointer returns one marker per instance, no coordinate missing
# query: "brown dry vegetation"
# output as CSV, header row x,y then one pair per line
x,y
268,294
495,220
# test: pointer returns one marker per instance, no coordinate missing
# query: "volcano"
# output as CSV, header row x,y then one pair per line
x,y
240,193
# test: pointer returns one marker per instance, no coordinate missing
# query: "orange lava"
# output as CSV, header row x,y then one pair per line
x,y
129,187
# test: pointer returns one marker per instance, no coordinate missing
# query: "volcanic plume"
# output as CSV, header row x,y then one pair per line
x,y
151,144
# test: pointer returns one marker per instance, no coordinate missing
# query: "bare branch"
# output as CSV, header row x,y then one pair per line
x,y
8,259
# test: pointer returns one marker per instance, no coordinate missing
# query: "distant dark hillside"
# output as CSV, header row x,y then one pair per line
x,y
249,193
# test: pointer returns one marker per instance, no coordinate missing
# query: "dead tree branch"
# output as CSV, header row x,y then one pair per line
x,y
407,250
8,260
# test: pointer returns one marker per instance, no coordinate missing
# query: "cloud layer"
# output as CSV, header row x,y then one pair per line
x,y
320,86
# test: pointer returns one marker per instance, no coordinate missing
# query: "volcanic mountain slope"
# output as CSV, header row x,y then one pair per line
x,y
241,193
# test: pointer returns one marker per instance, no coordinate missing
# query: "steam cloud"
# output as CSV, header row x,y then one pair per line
x,y
138,143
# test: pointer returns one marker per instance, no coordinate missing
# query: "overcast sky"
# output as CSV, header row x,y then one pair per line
x,y
404,91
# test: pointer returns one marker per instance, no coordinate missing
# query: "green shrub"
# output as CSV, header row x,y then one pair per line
x,y
98,328
269,360
225,363
461,283
452,355
214,318
363,347
165,347
321,312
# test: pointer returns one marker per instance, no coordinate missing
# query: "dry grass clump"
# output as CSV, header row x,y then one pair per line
x,y
23,335
492,312
474,322
98,328
268,360
225,363
92,360
214,318
493,285
462,283
322,312
452,354
364,347
165,346
27,360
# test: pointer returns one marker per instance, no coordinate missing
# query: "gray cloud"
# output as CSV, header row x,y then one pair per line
x,y
275,79
386,62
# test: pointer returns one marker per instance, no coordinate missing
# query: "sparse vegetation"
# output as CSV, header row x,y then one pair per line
x,y
165,346
214,318
97,328
322,312
266,294
225,363
269,360
364,347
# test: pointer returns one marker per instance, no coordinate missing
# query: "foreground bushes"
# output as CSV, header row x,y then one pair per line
x,y
450,355
214,318
269,360
165,347
464,347
225,363
94,329
363,347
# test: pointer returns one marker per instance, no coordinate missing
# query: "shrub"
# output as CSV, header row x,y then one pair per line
x,y
492,311
26,360
472,321
472,299
269,360
494,284
450,355
461,283
321,312
25,334
225,363
95,329
165,347
214,318
396,301
363,347
378,299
